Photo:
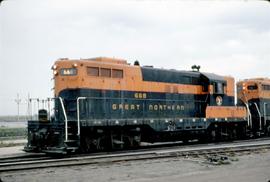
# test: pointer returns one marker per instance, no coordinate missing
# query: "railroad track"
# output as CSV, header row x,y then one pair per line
x,y
22,157
145,154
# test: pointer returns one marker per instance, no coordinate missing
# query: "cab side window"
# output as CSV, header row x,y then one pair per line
x,y
266,87
205,87
218,88
105,72
252,87
117,73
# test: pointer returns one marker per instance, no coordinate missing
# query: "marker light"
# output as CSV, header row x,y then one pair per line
x,y
54,67
244,86
75,65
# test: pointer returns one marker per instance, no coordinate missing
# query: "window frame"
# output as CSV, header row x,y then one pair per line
x,y
107,76
92,67
118,71
265,87
218,88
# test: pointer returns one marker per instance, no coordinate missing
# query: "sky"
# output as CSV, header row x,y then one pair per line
x,y
223,37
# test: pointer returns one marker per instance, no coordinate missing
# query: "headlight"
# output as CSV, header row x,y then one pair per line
x,y
54,67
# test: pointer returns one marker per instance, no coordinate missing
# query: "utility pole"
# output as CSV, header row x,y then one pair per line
x,y
18,101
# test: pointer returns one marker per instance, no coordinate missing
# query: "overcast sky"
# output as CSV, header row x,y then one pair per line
x,y
223,37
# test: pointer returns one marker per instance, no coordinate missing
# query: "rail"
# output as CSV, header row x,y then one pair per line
x,y
140,99
123,99
264,113
78,113
65,115
260,116
36,104
135,155
248,111
249,115
32,101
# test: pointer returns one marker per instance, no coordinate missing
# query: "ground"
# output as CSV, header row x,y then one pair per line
x,y
248,167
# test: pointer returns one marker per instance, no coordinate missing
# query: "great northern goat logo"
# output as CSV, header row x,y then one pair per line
x,y
219,100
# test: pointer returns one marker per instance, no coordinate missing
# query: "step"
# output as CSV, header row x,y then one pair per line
x,y
70,134
71,141
72,149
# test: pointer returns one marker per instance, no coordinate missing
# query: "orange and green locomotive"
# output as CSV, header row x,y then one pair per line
x,y
107,103
255,95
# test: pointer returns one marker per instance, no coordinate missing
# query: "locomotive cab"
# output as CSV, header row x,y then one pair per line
x,y
220,99
219,89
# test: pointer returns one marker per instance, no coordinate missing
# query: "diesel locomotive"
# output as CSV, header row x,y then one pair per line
x,y
107,103
255,95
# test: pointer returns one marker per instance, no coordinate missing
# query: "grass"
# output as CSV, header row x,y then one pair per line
x,y
9,135
12,132
13,118
2,144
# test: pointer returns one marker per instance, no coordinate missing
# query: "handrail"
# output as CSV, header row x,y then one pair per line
x,y
264,113
249,115
124,98
259,114
49,107
48,100
78,113
65,115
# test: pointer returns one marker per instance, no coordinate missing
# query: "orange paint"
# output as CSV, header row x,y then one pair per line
x,y
131,81
225,112
245,93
